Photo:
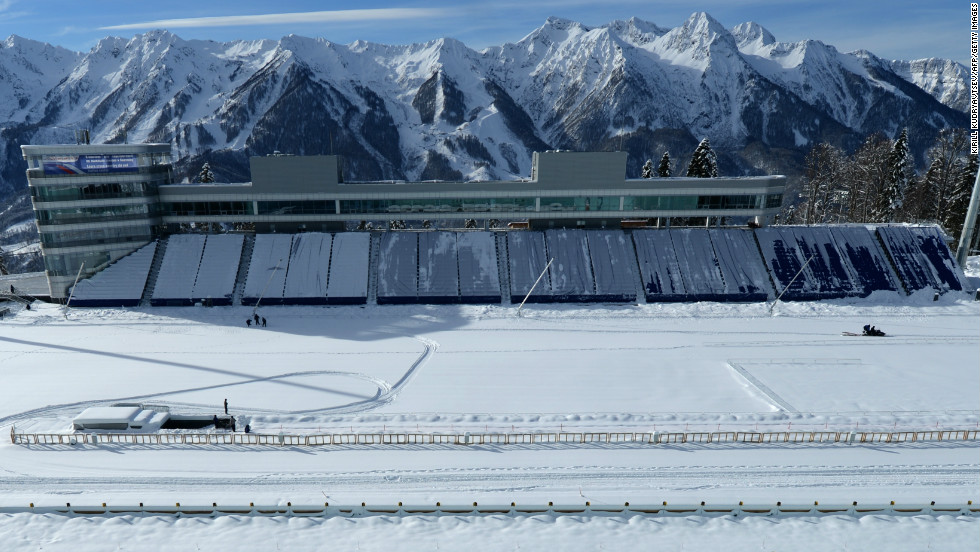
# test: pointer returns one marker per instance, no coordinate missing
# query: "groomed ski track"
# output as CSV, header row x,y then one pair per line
x,y
456,369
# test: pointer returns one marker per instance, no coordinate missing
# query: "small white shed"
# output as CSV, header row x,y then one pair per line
x,y
119,418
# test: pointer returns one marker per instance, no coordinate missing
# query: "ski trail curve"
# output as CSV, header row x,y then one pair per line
x,y
385,394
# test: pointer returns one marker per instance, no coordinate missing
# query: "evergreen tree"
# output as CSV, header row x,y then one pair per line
x,y
924,197
823,191
865,180
704,162
648,169
955,215
205,176
663,169
900,174
941,182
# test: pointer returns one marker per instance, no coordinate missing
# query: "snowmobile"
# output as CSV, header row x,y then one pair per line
x,y
868,331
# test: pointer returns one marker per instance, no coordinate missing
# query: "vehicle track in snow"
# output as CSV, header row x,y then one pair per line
x,y
385,394
521,479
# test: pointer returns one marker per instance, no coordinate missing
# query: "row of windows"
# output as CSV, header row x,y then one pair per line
x,y
560,204
208,208
441,205
79,215
109,190
96,236
67,264
315,207
393,207
771,201
469,205
149,160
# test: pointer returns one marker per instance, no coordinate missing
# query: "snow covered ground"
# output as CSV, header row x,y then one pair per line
x,y
450,369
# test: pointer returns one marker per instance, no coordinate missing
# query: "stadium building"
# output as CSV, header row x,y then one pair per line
x,y
95,204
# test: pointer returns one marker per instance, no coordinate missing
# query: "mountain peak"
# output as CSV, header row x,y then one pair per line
x,y
698,37
562,24
751,33
702,22
637,31
157,35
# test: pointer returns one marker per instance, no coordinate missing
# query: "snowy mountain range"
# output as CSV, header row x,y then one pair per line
x,y
441,110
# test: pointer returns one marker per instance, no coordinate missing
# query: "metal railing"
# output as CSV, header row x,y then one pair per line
x,y
519,438
288,509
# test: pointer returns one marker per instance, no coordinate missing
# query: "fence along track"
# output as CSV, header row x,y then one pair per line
x,y
364,509
327,439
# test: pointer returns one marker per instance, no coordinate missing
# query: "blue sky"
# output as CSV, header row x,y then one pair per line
x,y
892,29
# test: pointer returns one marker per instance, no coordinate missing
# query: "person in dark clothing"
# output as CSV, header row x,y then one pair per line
x,y
263,321
215,420
248,322
28,306
232,424
248,428
256,318
226,406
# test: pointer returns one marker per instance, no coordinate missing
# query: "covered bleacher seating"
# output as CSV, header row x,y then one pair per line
x,y
795,263
744,272
215,281
349,262
479,277
613,265
308,269
921,258
438,274
266,277
175,282
398,268
526,260
120,284
571,272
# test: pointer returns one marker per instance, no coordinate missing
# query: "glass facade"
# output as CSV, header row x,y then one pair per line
x,y
96,236
106,193
207,208
580,203
730,202
515,205
107,213
437,205
313,207
660,203
104,190
67,264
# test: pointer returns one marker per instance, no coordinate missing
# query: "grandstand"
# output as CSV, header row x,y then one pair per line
x,y
796,263
121,285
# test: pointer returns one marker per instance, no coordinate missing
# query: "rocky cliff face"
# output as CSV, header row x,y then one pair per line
x,y
442,110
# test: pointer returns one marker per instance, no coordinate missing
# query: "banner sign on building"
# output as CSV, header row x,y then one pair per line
x,y
90,164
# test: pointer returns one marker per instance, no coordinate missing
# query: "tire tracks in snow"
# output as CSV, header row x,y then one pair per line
x,y
514,479
385,395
